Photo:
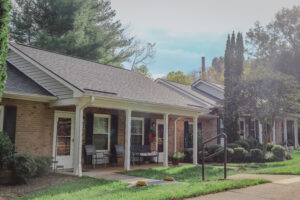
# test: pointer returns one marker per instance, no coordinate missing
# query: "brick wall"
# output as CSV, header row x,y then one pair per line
x,y
34,126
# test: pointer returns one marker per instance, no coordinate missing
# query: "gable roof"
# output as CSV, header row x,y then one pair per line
x,y
201,90
95,78
189,91
17,82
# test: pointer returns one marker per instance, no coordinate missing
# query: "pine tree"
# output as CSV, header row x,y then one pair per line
x,y
4,33
233,61
82,28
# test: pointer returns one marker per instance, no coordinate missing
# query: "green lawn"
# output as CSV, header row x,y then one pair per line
x,y
90,188
182,173
284,167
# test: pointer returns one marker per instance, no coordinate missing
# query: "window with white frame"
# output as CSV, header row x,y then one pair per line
x,y
101,132
137,131
242,128
1,117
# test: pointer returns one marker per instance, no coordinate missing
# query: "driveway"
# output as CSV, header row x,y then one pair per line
x,y
283,187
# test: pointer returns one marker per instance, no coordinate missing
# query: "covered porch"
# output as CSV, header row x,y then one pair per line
x,y
108,123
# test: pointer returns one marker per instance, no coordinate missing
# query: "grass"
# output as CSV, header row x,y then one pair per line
x,y
284,167
182,173
90,188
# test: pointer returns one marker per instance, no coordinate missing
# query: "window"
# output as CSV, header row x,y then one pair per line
x,y
137,131
1,117
101,130
242,128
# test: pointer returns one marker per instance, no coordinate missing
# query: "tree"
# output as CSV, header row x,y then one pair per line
x,y
233,61
82,28
143,70
267,95
178,77
4,33
143,54
279,38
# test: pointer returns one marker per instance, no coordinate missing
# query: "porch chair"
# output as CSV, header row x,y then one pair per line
x,y
90,150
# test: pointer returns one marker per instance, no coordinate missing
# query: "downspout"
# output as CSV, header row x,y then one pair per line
x,y
79,115
175,134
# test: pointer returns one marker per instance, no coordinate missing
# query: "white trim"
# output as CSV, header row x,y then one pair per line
x,y
71,115
108,131
166,140
28,97
127,139
77,92
195,140
184,92
207,83
274,133
1,117
143,127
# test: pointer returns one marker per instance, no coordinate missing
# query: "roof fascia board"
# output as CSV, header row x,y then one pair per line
x,y
29,97
77,91
207,83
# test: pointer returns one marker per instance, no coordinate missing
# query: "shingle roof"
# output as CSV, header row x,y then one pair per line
x,y
191,91
20,83
92,77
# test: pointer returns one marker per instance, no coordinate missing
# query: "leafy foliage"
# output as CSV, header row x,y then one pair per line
x,y
233,60
4,33
43,164
24,167
6,150
178,77
82,28
239,154
279,152
256,155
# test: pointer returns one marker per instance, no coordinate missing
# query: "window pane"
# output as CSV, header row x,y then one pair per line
x,y
136,127
100,141
100,125
136,140
64,127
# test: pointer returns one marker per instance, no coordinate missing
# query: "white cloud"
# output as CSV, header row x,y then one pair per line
x,y
155,76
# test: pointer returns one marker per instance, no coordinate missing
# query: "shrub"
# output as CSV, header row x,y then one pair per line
x,y
239,154
6,150
24,167
269,146
252,142
233,145
43,164
288,156
188,158
220,157
256,155
200,155
269,157
279,152
213,148
243,143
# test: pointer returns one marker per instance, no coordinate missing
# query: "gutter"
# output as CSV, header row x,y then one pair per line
x,y
29,97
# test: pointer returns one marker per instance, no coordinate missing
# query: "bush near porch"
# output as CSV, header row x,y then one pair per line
x,y
247,150
20,167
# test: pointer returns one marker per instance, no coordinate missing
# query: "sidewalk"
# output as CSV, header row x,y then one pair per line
x,y
283,187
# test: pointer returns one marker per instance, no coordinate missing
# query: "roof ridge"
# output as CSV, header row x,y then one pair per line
x,y
67,55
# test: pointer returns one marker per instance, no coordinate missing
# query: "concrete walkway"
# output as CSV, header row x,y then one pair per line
x,y
125,178
283,187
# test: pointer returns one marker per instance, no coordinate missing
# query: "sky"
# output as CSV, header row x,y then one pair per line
x,y
186,30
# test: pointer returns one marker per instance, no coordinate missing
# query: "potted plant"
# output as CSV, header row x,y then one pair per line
x,y
176,157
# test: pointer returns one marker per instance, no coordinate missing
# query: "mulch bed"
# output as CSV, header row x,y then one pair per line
x,y
13,191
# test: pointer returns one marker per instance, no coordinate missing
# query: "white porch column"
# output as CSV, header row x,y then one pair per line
x,y
260,137
274,133
285,132
127,139
166,134
78,141
195,140
296,132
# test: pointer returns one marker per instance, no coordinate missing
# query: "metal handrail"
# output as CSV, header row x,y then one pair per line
x,y
214,154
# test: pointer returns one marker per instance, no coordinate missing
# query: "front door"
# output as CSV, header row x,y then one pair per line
x,y
64,139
